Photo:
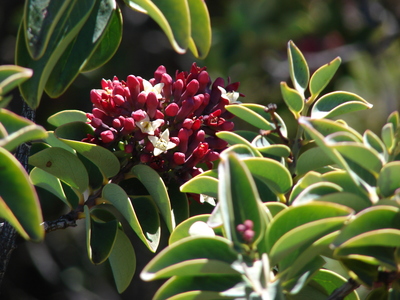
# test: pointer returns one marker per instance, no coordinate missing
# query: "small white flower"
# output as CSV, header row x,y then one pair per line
x,y
208,199
230,96
200,228
147,88
147,126
162,143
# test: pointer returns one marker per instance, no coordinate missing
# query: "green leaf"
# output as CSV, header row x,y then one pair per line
x,y
182,230
201,185
371,140
250,116
179,202
156,187
147,228
48,182
11,76
264,146
72,61
19,204
190,248
103,158
62,164
372,218
321,77
239,199
123,261
172,16
17,130
362,272
298,68
338,103
275,175
193,287
316,190
200,27
312,159
66,29
67,116
108,45
389,179
295,216
293,99
74,131
275,207
234,139
103,233
394,119
380,293
40,20
388,138
305,234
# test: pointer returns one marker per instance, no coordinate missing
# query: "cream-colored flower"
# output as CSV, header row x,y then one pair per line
x,y
147,126
162,143
230,96
148,87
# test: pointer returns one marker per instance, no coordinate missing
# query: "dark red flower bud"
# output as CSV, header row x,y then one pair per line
x,y
119,100
159,72
118,90
249,224
212,156
241,228
171,110
151,104
116,123
179,158
107,136
145,158
187,123
167,88
159,115
96,122
191,89
98,113
95,97
141,100
177,90
204,80
129,148
175,140
185,110
227,126
139,115
248,235
201,150
134,86
129,125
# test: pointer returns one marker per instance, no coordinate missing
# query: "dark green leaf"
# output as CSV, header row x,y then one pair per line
x,y
123,261
19,204
62,164
156,187
200,28
40,19
179,202
389,179
312,159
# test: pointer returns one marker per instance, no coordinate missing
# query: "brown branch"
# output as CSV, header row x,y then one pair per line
x,y
344,290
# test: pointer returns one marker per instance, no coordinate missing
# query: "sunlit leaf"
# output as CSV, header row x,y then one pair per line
x,y
389,178
182,230
67,116
250,116
338,103
292,98
200,27
312,159
18,130
19,203
298,68
201,185
235,139
321,77
11,76
387,134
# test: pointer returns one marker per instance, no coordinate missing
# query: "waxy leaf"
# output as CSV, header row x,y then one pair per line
x,y
394,119
66,29
40,19
190,248
262,144
19,204
321,77
338,103
298,68
182,230
10,77
156,187
123,261
201,185
371,140
150,235
234,139
196,287
179,202
312,159
102,235
239,199
293,99
275,175
16,130
72,61
67,116
388,136
250,116
200,28
48,182
316,190
62,164
389,179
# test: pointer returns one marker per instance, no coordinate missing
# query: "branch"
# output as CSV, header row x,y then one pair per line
x,y
344,290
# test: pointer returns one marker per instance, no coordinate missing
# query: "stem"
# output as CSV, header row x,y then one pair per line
x,y
344,290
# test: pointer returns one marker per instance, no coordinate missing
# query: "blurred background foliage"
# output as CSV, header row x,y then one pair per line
x,y
249,46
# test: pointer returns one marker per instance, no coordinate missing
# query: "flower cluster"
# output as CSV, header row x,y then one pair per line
x,y
246,230
169,124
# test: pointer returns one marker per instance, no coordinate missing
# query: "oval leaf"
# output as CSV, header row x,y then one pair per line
x,y
321,77
298,68
201,185
67,116
292,98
